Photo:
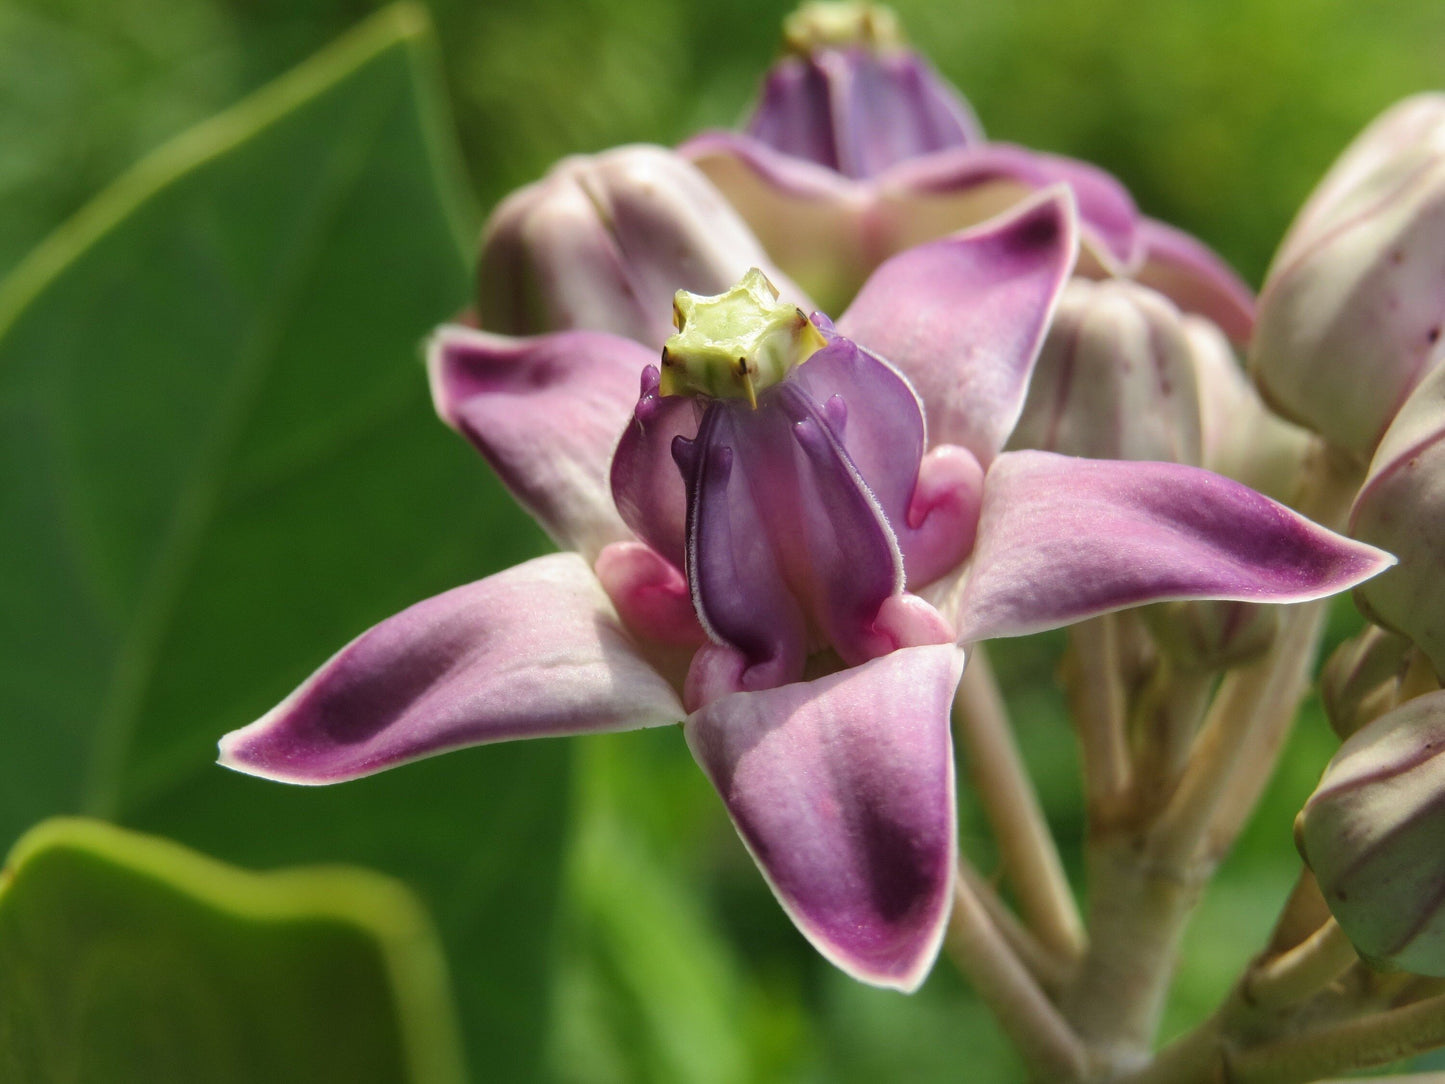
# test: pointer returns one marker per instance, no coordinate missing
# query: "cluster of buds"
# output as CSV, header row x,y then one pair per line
x,y
789,533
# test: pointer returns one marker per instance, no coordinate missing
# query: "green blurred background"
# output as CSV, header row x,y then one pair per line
x,y
601,921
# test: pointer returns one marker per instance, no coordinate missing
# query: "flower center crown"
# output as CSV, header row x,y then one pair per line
x,y
841,24
735,344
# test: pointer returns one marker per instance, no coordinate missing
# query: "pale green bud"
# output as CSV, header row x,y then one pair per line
x,y
1352,309
1372,832
1114,379
1361,681
1401,508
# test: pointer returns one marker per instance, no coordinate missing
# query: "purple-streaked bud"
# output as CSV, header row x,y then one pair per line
x,y
1352,308
1363,677
852,97
1401,508
1114,379
602,242
1242,438
1371,833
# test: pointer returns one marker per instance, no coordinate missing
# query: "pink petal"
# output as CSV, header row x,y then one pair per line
x,y
531,652
964,318
1188,272
1062,539
546,413
842,789
938,193
821,227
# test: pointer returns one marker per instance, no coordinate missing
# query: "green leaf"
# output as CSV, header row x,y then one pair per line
x,y
128,958
220,464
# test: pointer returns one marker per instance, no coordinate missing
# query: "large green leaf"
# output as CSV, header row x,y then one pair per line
x,y
128,958
220,464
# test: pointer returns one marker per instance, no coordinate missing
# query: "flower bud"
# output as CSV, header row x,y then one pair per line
x,y
1371,833
1361,680
1353,304
853,97
1401,508
1114,379
603,242
1243,439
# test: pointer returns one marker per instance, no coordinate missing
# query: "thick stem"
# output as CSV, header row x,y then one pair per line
x,y
1377,1039
1026,847
1235,753
1047,967
1041,1035
1098,705
1137,914
1303,971
1164,721
1145,879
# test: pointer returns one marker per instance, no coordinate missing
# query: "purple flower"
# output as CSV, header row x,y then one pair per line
x,y
753,558
858,149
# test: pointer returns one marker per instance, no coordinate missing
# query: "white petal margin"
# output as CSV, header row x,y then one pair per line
x,y
531,652
842,789
1062,539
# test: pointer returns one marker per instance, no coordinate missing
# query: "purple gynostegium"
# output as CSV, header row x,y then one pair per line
x,y
784,621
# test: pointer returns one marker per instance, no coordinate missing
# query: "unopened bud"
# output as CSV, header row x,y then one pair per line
x,y
853,97
603,242
1401,508
1114,379
1361,679
1352,308
1371,833
1243,439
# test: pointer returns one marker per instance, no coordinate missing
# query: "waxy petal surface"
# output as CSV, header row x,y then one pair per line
x,y
546,413
531,652
941,193
964,318
786,544
1063,539
843,791
647,487
879,420
830,231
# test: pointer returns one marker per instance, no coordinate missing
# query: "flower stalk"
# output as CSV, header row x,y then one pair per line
x,y
1026,846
